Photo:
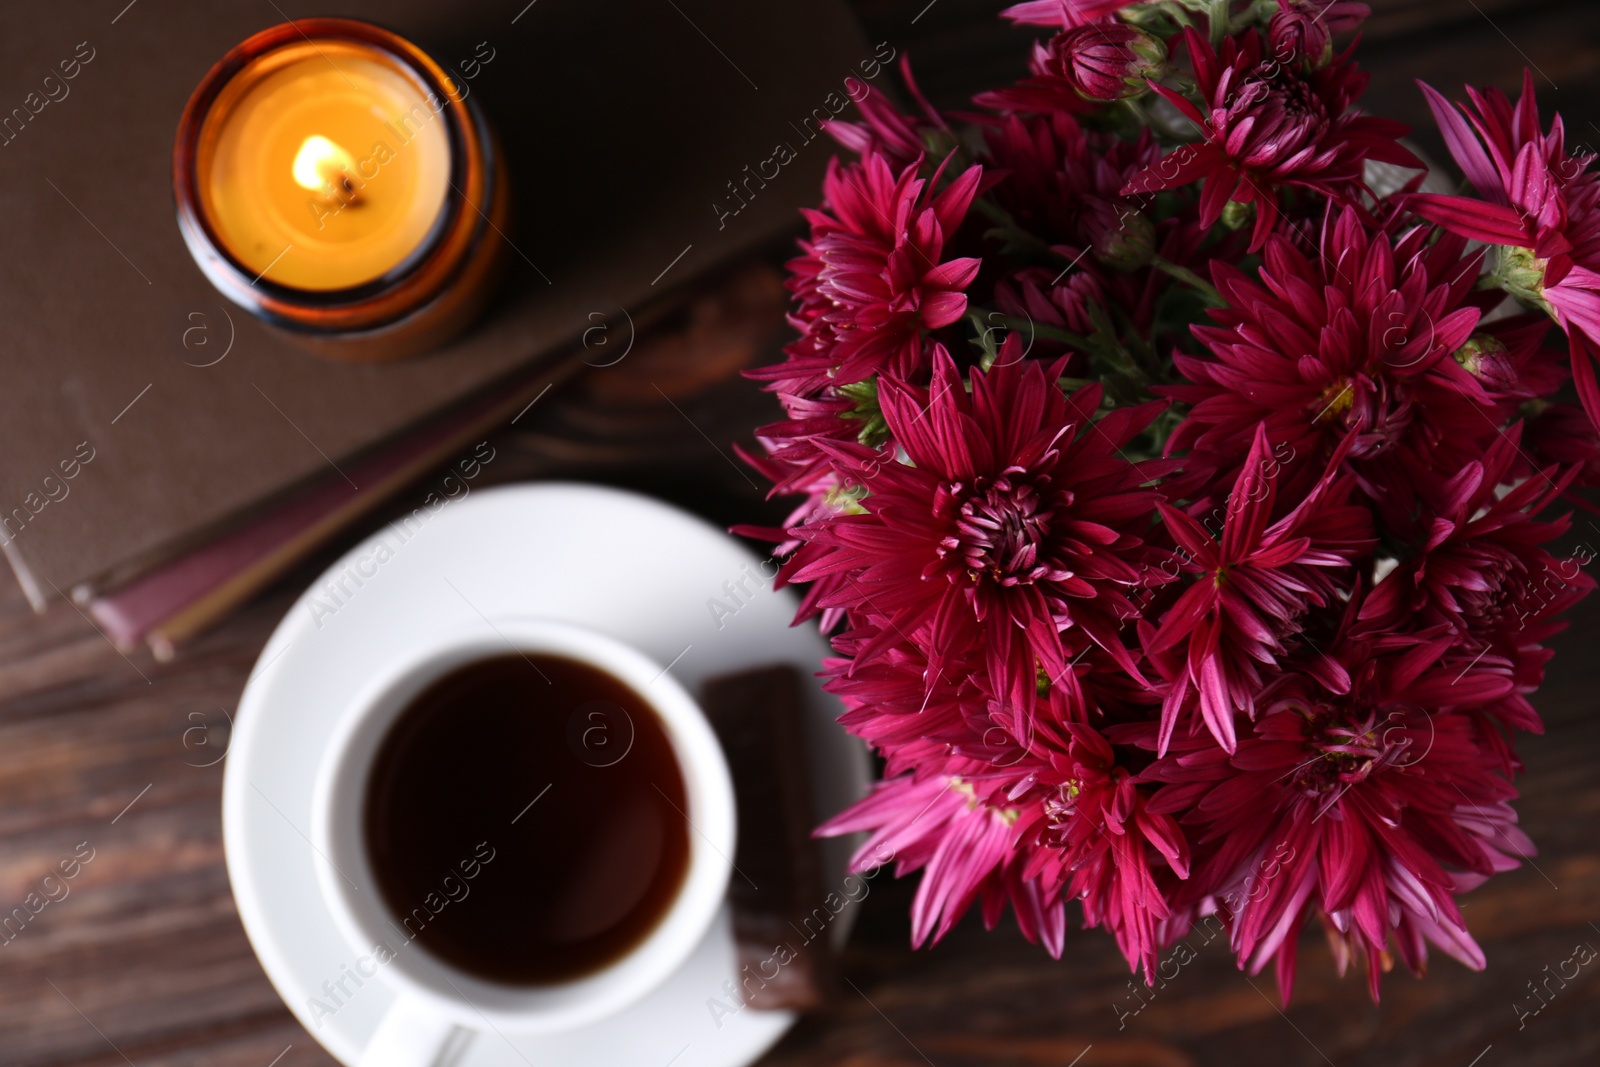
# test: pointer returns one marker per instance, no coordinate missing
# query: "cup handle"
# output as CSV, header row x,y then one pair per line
x,y
411,1036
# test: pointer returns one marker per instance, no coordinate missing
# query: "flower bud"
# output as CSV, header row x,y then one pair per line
x,y
1122,237
1296,34
1520,272
1108,61
1237,214
1487,359
1304,29
1075,297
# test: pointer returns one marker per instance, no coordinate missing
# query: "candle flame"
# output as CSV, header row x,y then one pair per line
x,y
321,163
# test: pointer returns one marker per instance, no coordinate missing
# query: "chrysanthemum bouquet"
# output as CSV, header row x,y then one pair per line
x,y
1175,499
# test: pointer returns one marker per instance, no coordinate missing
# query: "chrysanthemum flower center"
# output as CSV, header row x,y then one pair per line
x,y
1061,804
1288,109
1001,527
1335,400
1299,102
1502,592
1345,746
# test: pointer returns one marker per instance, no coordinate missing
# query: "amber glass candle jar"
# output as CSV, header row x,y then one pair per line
x,y
332,179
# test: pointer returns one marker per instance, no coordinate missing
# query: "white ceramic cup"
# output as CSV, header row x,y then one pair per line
x,y
439,1007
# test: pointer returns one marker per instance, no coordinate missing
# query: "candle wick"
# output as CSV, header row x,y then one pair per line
x,y
325,168
349,192
340,189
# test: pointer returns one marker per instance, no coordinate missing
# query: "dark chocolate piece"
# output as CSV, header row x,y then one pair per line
x,y
781,923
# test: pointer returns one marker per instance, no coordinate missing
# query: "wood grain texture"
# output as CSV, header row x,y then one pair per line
x,y
143,961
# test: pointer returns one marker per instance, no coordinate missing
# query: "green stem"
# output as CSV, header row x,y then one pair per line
x,y
1189,278
1217,16
994,212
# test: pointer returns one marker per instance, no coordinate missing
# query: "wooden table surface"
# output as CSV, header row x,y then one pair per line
x,y
143,961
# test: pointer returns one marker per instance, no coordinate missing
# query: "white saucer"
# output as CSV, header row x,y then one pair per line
x,y
620,563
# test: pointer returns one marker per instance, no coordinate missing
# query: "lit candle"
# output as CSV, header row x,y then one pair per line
x,y
331,178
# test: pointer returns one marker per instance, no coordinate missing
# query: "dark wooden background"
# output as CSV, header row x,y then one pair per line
x,y
145,962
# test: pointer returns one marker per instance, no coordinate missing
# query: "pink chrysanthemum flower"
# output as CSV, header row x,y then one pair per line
x,y
1055,795
870,288
1540,204
873,278
883,269
1097,840
1361,338
1265,126
1480,566
1014,519
1371,808
964,849
1253,585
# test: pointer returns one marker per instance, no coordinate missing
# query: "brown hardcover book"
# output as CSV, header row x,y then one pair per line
x,y
177,599
140,413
